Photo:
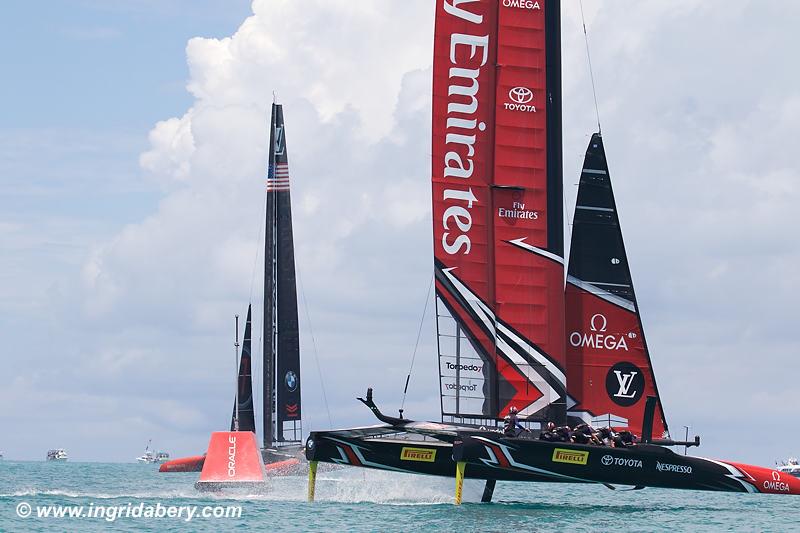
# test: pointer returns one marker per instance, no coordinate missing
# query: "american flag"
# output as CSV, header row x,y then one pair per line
x,y
278,177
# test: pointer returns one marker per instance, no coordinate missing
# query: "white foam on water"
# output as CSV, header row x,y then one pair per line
x,y
358,485
189,493
344,485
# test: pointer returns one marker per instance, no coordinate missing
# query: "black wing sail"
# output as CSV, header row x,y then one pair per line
x,y
285,363
247,419
609,372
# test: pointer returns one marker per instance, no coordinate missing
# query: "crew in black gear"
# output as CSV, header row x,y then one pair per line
x,y
606,436
548,433
562,433
625,438
582,434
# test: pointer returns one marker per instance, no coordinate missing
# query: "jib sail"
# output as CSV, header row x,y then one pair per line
x,y
497,209
609,373
244,397
281,337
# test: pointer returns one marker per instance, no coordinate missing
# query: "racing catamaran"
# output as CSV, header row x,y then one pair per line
x,y
509,333
283,428
281,446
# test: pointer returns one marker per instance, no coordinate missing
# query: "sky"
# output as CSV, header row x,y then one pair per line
x,y
132,160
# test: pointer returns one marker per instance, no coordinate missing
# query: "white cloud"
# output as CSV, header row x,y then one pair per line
x,y
172,146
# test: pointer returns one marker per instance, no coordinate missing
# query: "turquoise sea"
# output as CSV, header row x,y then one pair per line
x,y
359,500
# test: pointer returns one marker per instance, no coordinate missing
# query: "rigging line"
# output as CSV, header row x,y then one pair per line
x,y
314,345
256,370
566,208
259,241
416,345
591,71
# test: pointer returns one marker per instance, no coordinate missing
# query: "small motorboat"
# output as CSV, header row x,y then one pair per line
x,y
58,454
790,466
151,457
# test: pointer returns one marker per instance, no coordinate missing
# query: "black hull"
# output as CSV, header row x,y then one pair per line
x,y
436,458
643,465
490,456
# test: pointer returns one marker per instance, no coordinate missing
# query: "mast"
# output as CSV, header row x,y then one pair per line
x,y
610,373
269,289
498,220
235,422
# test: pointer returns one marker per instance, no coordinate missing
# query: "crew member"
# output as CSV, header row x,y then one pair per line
x,y
606,436
582,434
511,425
562,433
548,433
625,438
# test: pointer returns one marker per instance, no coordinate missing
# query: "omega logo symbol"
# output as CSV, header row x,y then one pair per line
x,y
600,320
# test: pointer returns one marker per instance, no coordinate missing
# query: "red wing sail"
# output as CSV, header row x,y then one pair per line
x,y
497,200
609,372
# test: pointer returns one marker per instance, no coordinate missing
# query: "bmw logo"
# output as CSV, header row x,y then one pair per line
x,y
291,381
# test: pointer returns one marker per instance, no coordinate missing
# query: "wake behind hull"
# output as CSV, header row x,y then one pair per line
x,y
489,455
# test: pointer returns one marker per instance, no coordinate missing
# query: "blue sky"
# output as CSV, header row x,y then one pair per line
x,y
83,82
109,65
132,157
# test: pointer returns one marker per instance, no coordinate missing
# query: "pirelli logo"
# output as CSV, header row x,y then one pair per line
x,y
574,457
425,455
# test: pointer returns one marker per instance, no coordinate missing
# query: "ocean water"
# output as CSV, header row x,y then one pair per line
x,y
361,500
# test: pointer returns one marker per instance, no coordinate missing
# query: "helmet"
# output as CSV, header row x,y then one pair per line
x,y
551,426
513,410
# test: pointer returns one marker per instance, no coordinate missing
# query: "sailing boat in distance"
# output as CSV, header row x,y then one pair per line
x,y
282,433
282,445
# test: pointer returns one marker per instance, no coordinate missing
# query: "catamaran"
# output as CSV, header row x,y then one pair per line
x,y
511,335
282,445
